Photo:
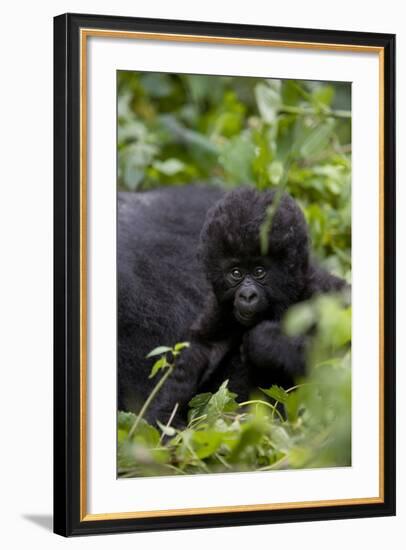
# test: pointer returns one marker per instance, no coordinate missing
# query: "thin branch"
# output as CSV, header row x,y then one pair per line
x,y
197,419
151,396
223,461
260,402
175,408
302,111
284,462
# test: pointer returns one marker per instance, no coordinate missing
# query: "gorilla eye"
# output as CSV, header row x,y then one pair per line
x,y
259,272
236,274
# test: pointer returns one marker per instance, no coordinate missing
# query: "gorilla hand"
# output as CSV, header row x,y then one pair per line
x,y
269,351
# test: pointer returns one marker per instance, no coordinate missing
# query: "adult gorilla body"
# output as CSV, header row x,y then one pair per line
x,y
228,303
161,285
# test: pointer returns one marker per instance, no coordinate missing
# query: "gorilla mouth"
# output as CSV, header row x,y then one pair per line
x,y
246,318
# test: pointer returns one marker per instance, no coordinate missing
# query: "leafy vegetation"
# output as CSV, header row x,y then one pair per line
x,y
306,426
231,131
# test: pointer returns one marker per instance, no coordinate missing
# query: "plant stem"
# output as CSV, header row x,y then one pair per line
x,y
304,112
223,461
175,408
284,462
266,226
151,396
306,384
260,402
197,419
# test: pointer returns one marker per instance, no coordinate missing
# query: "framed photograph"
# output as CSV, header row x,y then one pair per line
x,y
224,254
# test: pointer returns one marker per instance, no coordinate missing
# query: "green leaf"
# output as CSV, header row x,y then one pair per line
x,y
158,365
181,345
236,157
293,92
166,430
144,433
123,105
147,434
200,400
280,438
121,435
292,406
206,443
169,167
268,102
188,136
318,139
299,457
131,130
299,319
275,172
133,176
158,351
277,393
133,160
323,95
289,400
249,436
156,84
335,321
200,86
213,405
125,420
222,401
227,124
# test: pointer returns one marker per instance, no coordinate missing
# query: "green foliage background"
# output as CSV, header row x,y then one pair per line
x,y
175,129
230,131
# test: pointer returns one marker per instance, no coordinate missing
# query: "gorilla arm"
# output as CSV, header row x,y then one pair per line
x,y
180,386
270,352
267,347
208,347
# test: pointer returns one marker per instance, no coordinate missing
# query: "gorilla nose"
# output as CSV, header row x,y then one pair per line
x,y
248,296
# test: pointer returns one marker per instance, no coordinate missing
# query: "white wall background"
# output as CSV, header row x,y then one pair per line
x,y
26,270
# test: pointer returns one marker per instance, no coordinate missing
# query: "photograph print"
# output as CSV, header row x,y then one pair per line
x,y
233,274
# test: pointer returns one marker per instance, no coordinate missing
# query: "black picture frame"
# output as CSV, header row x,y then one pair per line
x,y
68,519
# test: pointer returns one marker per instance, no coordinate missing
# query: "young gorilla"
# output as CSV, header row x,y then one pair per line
x,y
238,335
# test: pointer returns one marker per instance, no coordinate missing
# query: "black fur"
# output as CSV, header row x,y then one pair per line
x,y
161,287
167,294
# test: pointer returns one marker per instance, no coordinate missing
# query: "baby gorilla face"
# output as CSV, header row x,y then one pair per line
x,y
249,281
246,288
